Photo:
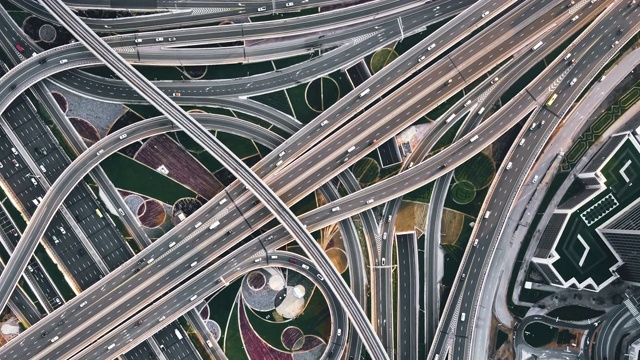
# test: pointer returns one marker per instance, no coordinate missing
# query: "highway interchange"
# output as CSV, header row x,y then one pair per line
x,y
310,160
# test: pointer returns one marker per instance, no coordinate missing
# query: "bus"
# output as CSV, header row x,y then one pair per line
x,y
552,99
99,212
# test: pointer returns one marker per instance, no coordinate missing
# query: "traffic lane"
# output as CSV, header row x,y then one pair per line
x,y
172,345
255,84
528,149
202,285
118,302
456,20
20,180
364,130
26,124
407,296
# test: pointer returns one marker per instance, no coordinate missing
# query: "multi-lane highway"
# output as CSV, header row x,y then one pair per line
x,y
305,164
465,294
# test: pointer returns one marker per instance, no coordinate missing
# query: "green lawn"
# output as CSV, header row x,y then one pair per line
x,y
240,146
322,93
128,174
479,171
382,58
366,170
463,192
421,194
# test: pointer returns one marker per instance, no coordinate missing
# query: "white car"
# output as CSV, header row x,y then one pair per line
x,y
263,8
289,4
159,39
137,40
62,230
484,14
64,61
122,136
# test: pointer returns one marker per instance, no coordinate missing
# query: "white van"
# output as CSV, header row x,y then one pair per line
x,y
257,260
481,111
198,224
467,103
282,154
339,332
222,201
111,346
82,304
337,208
431,47
54,339
573,81
305,266
487,214
509,165
150,261
324,123
172,244
279,163
384,236
214,225
351,149
521,142
535,179
194,264
209,344
369,201
463,316
193,297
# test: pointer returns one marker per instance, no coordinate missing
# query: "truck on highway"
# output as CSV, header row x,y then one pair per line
x,y
450,118
536,46
474,138
365,92
214,225
178,334
481,111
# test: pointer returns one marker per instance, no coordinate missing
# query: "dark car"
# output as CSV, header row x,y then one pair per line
x,y
292,260
19,48
42,61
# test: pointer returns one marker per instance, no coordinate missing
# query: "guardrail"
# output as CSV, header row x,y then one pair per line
x,y
523,174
